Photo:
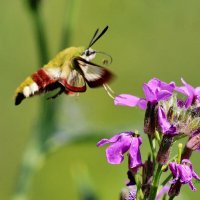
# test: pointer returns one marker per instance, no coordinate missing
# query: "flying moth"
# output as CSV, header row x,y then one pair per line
x,y
70,71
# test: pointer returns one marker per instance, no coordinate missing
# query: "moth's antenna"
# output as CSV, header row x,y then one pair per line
x,y
100,35
101,52
95,34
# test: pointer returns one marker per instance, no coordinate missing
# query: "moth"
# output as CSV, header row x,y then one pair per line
x,y
69,72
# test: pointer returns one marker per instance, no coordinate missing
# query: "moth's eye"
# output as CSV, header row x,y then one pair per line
x,y
87,52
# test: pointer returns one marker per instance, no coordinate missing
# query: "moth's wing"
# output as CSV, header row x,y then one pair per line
x,y
73,81
43,80
95,75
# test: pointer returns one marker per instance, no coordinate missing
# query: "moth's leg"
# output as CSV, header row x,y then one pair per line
x,y
67,92
62,89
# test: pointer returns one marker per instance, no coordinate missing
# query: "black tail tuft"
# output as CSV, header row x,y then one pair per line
x,y
19,97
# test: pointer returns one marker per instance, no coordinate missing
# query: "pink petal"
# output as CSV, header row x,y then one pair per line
x,y
163,190
106,141
183,90
142,104
154,84
185,173
134,152
189,88
163,95
175,172
162,119
149,93
126,100
197,91
192,186
167,86
115,151
194,174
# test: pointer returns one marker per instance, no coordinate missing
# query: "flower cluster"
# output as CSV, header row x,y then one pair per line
x,y
171,113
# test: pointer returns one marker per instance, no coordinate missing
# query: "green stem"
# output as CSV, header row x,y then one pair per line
x,y
73,7
35,152
155,183
164,197
178,137
46,126
32,161
153,149
166,180
38,26
171,198
139,194
47,118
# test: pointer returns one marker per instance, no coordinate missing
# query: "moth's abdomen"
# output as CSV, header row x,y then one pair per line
x,y
36,83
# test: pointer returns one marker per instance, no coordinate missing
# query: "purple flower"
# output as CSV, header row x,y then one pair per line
x,y
183,173
119,145
155,90
129,193
164,124
130,100
132,195
192,93
173,119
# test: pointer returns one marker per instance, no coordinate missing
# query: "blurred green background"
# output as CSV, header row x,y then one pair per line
x,y
146,39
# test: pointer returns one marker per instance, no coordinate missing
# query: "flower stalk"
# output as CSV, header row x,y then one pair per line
x,y
155,184
35,152
167,119
139,193
153,149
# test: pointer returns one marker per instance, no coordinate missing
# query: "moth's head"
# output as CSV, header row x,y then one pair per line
x,y
89,53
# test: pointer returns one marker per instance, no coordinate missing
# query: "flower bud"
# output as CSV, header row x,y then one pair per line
x,y
150,118
194,143
175,189
164,150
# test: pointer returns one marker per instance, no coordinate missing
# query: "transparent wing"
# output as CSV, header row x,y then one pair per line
x,y
74,82
94,75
